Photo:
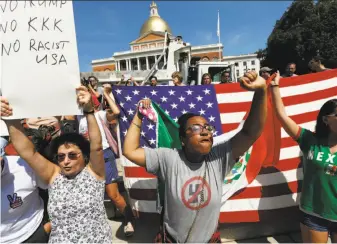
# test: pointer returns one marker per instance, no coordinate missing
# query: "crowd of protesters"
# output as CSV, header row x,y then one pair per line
x,y
57,171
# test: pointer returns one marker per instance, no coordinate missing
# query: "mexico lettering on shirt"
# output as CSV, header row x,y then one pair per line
x,y
321,155
327,160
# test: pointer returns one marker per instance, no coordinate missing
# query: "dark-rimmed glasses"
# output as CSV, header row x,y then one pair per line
x,y
197,128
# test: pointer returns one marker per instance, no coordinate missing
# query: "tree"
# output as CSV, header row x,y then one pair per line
x,y
261,55
327,14
305,30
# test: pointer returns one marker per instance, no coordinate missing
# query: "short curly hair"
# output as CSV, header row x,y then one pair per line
x,y
70,138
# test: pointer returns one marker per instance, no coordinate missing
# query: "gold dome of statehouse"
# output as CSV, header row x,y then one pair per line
x,y
154,22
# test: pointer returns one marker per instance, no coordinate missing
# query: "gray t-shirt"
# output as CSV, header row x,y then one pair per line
x,y
184,182
100,90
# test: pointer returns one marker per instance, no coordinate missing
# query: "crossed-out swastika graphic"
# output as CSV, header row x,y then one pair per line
x,y
191,193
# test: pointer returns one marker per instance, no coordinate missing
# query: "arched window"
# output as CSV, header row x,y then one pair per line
x,y
205,58
107,69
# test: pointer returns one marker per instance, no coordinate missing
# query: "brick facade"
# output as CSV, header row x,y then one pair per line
x,y
107,67
210,56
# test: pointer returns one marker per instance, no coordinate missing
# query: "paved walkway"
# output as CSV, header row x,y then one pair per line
x,y
146,230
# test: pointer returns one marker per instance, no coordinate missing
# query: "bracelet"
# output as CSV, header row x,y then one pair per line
x,y
89,112
274,85
136,125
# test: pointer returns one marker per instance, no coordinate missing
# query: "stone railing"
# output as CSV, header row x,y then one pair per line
x,y
115,76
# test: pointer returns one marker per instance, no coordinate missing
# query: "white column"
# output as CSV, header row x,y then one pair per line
x,y
130,66
155,60
147,63
118,66
138,64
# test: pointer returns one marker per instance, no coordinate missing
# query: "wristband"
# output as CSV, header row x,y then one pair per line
x,y
89,112
136,125
274,85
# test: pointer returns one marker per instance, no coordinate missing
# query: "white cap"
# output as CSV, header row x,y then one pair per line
x,y
127,76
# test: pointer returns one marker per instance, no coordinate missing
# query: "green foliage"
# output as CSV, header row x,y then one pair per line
x,y
305,30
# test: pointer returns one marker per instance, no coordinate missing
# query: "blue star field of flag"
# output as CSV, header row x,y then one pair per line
x,y
175,101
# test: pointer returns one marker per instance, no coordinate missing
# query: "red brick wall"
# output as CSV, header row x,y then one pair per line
x,y
109,67
209,55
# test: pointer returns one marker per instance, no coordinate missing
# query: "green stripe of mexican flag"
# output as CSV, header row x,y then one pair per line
x,y
167,129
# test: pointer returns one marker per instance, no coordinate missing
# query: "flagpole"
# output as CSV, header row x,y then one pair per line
x,y
218,34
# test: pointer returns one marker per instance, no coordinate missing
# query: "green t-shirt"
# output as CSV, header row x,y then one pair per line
x,y
319,188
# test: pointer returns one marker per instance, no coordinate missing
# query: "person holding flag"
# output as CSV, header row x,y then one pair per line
x,y
318,202
193,175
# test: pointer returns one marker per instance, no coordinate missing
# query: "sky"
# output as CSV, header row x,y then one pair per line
x,y
105,27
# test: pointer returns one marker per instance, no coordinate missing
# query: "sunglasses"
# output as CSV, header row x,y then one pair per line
x,y
197,129
72,156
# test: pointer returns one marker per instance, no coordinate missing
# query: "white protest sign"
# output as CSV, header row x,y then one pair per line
x,y
39,60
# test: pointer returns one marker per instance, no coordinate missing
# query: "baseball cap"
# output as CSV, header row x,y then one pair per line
x,y
265,69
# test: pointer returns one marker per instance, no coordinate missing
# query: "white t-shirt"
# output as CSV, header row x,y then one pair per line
x,y
83,126
21,206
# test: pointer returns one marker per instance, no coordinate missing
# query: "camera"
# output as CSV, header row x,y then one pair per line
x,y
85,82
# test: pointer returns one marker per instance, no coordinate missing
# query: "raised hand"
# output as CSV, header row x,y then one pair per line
x,y
276,80
252,82
84,99
107,88
6,109
145,103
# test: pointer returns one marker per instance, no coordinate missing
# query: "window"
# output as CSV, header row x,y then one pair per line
x,y
253,69
244,63
253,62
238,73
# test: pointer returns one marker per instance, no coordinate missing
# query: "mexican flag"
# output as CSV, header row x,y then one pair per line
x,y
167,130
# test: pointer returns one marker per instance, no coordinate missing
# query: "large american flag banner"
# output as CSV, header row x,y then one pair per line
x,y
274,170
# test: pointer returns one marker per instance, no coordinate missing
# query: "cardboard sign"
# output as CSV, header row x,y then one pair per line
x,y
39,68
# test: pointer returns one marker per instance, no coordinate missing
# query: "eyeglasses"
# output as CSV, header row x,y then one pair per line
x,y
72,156
197,129
332,115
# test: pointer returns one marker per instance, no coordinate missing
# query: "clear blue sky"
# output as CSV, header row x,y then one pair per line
x,y
105,27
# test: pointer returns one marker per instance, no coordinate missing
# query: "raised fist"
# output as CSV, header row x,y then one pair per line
x,y
252,82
